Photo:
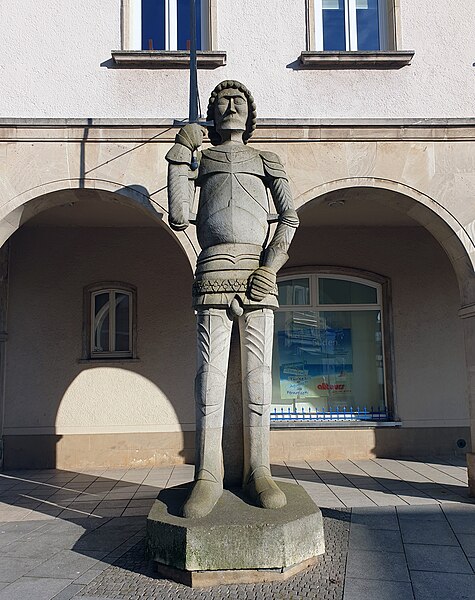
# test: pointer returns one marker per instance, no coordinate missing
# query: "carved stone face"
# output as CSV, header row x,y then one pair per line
x,y
231,111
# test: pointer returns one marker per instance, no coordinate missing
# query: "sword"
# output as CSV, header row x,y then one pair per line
x,y
193,113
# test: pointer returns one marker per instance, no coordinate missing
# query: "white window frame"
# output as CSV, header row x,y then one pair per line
x,y
315,305
314,292
132,18
90,294
351,29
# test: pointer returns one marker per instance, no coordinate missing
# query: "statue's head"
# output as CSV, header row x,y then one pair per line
x,y
231,107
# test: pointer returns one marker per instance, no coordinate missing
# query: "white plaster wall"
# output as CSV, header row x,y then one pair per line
x,y
54,55
429,359
47,389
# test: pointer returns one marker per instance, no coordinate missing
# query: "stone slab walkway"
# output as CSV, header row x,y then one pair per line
x,y
395,530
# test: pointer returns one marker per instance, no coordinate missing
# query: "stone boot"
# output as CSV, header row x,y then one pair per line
x,y
203,497
263,490
208,486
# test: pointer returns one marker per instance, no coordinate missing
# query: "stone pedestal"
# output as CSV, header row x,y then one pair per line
x,y
236,542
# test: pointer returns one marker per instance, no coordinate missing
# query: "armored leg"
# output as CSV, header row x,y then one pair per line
x,y
256,330
213,339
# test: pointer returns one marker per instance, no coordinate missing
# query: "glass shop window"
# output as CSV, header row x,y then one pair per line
x,y
165,24
344,25
328,362
111,323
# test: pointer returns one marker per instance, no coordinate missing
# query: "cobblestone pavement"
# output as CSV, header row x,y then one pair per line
x,y
133,577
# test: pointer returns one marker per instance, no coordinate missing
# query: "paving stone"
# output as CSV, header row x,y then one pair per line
x,y
364,589
460,517
136,510
363,564
427,532
14,515
426,512
140,502
13,567
375,518
76,525
67,564
442,559
68,592
32,587
84,507
443,586
21,526
108,512
31,548
101,541
381,540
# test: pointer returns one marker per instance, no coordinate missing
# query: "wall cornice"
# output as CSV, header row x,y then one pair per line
x,y
268,130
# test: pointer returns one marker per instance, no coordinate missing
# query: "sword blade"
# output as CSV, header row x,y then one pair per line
x,y
193,115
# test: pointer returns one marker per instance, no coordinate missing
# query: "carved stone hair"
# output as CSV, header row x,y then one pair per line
x,y
214,136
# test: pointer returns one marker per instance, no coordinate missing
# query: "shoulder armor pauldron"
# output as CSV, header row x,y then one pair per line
x,y
273,166
179,155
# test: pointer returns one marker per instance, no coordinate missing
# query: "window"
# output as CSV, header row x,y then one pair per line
x,y
343,25
165,25
329,355
109,321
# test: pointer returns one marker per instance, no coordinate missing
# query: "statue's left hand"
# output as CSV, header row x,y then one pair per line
x,y
261,283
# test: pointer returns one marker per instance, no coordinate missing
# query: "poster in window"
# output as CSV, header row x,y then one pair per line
x,y
316,364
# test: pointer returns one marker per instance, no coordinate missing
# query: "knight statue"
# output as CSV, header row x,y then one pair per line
x,y
235,279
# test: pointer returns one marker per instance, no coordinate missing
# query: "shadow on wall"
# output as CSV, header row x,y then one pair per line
x,y
67,401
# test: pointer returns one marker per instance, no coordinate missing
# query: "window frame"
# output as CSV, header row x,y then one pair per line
x,y
90,293
389,27
384,303
132,26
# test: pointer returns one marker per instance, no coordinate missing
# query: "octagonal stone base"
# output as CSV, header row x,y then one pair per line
x,y
236,542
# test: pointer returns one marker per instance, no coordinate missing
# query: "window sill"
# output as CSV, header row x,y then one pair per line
x,y
107,360
167,59
392,59
333,424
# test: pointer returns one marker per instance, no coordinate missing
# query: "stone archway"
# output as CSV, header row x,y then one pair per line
x,y
450,235
444,226
24,206
152,266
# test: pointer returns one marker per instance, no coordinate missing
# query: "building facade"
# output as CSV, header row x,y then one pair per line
x,y
369,103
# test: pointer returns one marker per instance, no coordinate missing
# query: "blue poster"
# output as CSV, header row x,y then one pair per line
x,y
315,363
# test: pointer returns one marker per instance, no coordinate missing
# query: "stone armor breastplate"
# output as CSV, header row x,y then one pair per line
x,y
233,204
231,225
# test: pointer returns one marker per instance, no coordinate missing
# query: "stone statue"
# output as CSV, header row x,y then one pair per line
x,y
235,279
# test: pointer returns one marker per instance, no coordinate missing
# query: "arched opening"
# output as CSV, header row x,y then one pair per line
x,y
368,232
128,405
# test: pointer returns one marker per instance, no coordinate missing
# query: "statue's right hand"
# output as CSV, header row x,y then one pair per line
x,y
191,136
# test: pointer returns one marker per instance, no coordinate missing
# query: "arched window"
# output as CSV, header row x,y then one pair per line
x,y
329,351
110,323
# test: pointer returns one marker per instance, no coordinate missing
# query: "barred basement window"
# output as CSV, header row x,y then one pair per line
x,y
110,310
